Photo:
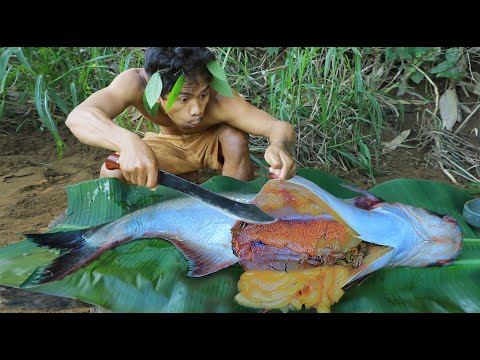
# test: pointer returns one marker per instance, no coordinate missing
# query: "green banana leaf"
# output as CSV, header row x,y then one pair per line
x,y
150,275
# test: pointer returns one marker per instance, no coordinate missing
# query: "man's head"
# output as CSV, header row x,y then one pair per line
x,y
171,62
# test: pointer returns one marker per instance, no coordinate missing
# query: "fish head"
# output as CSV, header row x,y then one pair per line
x,y
436,239
418,236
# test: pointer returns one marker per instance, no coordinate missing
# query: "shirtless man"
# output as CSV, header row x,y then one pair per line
x,y
202,129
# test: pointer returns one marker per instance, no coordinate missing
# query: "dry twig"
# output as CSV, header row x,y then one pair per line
x,y
452,153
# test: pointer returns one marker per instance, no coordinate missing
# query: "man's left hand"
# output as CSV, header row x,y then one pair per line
x,y
281,162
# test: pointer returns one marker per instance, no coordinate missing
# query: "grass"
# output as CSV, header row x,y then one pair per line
x,y
330,95
47,83
338,99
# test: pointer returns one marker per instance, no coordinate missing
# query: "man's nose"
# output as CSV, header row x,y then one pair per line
x,y
195,108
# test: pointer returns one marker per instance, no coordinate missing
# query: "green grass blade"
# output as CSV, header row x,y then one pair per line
x,y
125,125
73,93
44,114
3,79
22,59
3,63
38,99
58,101
2,106
52,126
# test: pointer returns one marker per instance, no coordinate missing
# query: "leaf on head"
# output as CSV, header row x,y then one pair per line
x,y
219,80
177,88
153,89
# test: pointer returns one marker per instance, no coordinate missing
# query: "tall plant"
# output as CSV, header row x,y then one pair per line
x,y
55,80
330,95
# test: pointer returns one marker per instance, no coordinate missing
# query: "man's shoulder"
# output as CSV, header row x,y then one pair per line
x,y
224,106
134,75
129,84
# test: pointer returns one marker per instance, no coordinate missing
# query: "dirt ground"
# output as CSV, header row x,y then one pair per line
x,y
32,182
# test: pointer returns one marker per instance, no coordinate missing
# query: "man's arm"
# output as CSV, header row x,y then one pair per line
x,y
91,122
244,116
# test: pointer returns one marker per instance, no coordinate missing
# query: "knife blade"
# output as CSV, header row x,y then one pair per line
x,y
246,212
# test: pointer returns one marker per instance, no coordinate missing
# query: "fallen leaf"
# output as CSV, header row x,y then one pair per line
x,y
392,145
465,108
449,109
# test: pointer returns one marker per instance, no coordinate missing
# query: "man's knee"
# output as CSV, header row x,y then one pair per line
x,y
233,140
104,172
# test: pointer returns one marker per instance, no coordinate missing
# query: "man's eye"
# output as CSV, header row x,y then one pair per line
x,y
184,99
204,95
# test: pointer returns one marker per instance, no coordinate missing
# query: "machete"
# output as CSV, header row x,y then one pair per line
x,y
246,212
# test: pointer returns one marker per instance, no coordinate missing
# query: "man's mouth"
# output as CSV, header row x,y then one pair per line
x,y
193,124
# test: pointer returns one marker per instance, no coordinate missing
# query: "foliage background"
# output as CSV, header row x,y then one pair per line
x,y
344,102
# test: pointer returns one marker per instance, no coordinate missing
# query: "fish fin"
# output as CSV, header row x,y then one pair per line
x,y
202,261
367,194
76,251
377,257
280,198
368,202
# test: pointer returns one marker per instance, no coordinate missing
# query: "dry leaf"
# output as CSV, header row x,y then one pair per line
x,y
392,145
476,76
476,89
449,108
450,176
465,108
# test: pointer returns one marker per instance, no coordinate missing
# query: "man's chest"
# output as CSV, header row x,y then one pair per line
x,y
169,126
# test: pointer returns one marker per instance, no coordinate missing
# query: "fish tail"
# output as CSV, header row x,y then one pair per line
x,y
75,251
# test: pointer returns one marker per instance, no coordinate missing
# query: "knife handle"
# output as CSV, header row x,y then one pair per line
x,y
112,162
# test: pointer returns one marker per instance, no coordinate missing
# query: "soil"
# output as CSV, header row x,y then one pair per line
x,y
32,181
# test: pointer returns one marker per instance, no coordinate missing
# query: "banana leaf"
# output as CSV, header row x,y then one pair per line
x,y
150,275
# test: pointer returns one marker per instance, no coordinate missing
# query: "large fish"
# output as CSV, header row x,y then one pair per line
x,y
318,245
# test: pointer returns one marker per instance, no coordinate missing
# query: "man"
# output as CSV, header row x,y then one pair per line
x,y
201,129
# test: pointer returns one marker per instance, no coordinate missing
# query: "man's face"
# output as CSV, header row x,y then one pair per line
x,y
187,110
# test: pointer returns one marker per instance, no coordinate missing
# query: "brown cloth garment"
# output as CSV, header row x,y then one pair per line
x,y
179,154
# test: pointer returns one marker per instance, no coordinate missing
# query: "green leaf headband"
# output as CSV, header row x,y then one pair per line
x,y
155,86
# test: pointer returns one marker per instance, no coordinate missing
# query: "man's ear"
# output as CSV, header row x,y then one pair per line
x,y
162,103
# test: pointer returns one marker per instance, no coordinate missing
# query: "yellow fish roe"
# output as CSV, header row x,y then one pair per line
x,y
318,287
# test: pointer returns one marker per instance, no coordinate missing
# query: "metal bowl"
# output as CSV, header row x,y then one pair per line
x,y
471,212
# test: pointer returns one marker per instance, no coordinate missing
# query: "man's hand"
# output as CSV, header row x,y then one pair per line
x,y
281,162
139,164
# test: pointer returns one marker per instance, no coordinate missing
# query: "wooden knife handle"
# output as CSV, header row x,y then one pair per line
x,y
112,162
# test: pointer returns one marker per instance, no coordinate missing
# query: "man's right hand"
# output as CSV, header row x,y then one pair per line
x,y
139,164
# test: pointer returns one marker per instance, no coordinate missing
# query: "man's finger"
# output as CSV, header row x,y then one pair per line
x,y
141,178
275,164
152,180
293,170
275,172
286,164
127,176
275,161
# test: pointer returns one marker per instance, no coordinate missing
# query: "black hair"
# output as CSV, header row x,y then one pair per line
x,y
170,60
